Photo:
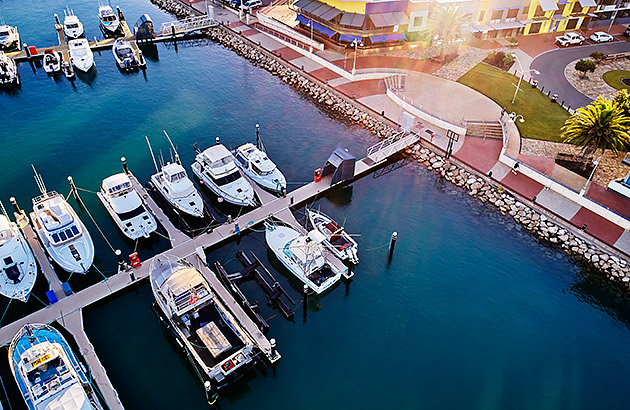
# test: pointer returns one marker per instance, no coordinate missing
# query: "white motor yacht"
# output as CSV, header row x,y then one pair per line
x,y
52,61
60,231
256,164
213,339
337,239
81,54
72,27
9,38
8,71
172,182
19,269
126,207
303,255
124,55
47,371
108,21
215,167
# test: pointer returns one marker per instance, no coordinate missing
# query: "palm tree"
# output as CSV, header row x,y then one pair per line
x,y
445,24
600,125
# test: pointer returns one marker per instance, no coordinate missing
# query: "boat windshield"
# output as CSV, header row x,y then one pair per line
x,y
72,25
259,171
177,176
4,33
109,18
124,52
227,179
221,162
120,189
124,216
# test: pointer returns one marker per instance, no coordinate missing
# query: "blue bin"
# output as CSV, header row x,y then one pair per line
x,y
66,288
52,298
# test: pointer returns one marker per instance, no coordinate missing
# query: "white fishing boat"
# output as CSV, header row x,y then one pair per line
x,y
8,71
19,269
52,61
81,55
47,371
254,162
60,230
212,338
337,239
108,21
302,255
125,206
172,182
124,55
72,26
216,168
9,38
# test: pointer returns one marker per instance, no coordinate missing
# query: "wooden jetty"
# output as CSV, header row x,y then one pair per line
x,y
67,311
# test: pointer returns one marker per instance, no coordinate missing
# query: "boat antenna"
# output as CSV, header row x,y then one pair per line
x,y
152,156
39,181
174,150
259,143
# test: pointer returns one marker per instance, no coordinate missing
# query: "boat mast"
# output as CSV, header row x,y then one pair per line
x,y
174,150
152,156
39,181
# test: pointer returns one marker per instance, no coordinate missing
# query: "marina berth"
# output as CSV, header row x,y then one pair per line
x,y
302,255
126,207
108,22
337,239
214,341
8,71
72,27
216,168
47,371
81,55
17,262
255,163
9,38
124,55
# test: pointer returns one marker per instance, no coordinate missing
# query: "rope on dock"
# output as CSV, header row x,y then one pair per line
x,y
5,310
94,222
5,394
35,296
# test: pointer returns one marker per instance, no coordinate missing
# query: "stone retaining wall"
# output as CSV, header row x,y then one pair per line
x,y
614,268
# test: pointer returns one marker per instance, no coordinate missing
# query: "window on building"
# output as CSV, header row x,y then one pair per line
x,y
560,9
418,20
513,13
497,15
605,16
572,23
535,28
539,12
482,14
525,11
576,8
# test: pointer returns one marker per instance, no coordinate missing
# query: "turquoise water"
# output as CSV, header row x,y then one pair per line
x,y
472,312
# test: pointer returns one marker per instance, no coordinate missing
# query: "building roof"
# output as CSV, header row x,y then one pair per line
x,y
548,5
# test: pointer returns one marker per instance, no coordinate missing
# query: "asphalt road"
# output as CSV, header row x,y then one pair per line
x,y
551,65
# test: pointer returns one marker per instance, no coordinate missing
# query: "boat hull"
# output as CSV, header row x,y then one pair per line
x,y
244,199
180,203
140,226
343,246
23,264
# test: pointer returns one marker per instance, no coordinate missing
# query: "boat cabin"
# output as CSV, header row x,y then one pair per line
x,y
117,185
255,159
44,369
174,173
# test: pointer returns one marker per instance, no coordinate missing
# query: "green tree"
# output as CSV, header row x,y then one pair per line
x,y
585,66
445,26
597,57
600,125
622,99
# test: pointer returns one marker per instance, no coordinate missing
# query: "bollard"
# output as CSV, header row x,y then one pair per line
x,y
237,230
15,205
284,192
26,50
305,293
272,342
291,202
124,162
218,140
392,244
119,256
173,30
73,187
229,219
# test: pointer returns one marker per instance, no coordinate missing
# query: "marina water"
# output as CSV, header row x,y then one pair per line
x,y
472,312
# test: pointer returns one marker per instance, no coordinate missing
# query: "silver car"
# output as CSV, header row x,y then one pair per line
x,y
601,37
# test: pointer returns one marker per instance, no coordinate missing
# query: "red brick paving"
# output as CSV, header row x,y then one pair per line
x,y
610,199
479,153
235,24
250,32
523,185
537,43
597,226
360,89
542,164
324,74
287,53
404,63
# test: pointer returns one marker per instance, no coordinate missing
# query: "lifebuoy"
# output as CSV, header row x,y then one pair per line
x,y
194,299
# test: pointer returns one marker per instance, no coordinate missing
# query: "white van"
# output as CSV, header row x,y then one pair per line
x,y
250,5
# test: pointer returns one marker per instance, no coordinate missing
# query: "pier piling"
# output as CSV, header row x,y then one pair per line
x,y
392,244
26,50
73,187
124,163
57,19
272,342
15,205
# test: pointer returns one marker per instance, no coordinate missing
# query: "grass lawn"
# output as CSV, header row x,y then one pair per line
x,y
543,119
613,78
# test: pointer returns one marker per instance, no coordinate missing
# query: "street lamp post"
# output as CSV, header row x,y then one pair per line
x,y
588,181
354,64
518,86
310,24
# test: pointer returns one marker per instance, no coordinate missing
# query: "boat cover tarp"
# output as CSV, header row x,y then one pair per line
x,y
214,340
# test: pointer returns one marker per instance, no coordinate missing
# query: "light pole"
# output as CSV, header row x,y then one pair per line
x,y
354,64
310,24
588,181
518,86
514,116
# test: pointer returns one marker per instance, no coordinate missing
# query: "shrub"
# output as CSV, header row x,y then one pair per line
x,y
598,57
513,40
585,66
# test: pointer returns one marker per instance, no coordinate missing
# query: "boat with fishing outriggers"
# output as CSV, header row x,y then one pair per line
x,y
254,162
173,184
47,371
59,229
108,22
337,240
302,255
215,167
19,269
72,26
213,340
124,205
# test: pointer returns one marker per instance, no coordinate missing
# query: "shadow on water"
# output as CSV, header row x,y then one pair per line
x,y
150,52
89,77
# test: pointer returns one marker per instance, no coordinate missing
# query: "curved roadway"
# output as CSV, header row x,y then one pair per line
x,y
551,65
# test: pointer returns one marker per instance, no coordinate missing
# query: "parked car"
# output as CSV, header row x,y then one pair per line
x,y
235,3
250,5
601,37
569,39
627,32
